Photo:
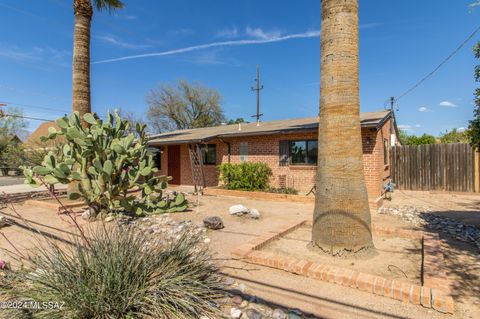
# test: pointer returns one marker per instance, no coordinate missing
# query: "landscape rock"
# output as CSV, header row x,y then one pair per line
x,y
89,214
254,213
238,210
213,222
253,314
235,313
237,300
279,314
109,218
425,218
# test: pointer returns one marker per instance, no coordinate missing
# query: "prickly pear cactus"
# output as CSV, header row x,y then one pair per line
x,y
106,163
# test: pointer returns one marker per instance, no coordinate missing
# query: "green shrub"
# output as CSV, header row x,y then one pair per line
x,y
288,190
122,273
245,176
106,163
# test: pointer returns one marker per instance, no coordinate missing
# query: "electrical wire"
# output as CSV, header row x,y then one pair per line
x,y
439,66
25,117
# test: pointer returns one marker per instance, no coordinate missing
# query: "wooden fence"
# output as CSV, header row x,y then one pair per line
x,y
443,167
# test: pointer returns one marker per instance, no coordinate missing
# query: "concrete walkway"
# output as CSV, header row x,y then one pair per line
x,y
23,188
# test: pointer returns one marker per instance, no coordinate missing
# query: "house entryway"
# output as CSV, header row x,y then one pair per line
x,y
174,164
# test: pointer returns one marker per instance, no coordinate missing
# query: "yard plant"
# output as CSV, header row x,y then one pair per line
x,y
105,163
118,273
245,176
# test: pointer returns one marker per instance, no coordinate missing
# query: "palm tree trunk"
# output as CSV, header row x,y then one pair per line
x,y
81,58
341,219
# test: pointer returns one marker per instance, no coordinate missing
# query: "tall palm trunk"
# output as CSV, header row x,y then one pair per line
x,y
341,219
81,57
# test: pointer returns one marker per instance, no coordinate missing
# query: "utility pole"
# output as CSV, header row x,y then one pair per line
x,y
258,88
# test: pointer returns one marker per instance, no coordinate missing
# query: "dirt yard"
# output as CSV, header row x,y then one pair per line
x,y
396,258
288,290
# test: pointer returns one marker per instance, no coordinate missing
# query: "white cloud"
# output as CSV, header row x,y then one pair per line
x,y
307,34
228,33
405,127
418,126
424,109
259,33
447,104
119,43
461,129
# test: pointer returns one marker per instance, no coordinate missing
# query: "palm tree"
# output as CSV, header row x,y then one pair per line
x,y
83,11
341,219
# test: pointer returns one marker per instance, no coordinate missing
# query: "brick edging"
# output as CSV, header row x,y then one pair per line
x,y
432,295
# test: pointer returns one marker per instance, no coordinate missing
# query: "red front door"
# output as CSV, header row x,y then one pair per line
x,y
174,164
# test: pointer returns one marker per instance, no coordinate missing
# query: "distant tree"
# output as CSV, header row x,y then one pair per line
x,y
474,127
406,139
237,121
132,119
10,125
455,136
183,107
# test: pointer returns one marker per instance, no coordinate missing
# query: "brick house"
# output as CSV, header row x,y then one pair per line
x,y
289,147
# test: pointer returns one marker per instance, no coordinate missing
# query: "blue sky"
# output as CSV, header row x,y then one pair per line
x,y
401,41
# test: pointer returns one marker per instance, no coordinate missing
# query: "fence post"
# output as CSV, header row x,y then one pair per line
x,y
477,175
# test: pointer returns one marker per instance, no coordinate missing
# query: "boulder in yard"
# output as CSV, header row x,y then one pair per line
x,y
238,210
254,213
213,222
89,214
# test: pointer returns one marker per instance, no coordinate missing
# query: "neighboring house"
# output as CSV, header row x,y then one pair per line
x,y
34,142
289,147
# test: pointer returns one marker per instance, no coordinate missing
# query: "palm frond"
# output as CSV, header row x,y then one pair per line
x,y
110,5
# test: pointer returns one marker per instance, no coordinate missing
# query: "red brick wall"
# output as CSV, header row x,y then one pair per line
x,y
265,149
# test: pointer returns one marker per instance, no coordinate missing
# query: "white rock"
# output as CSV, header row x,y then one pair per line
x,y
238,210
109,218
242,288
254,213
235,313
207,240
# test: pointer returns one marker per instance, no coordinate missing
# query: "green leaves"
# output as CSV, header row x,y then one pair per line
x,y
74,196
90,119
107,167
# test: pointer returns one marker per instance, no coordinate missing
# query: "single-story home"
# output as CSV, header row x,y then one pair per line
x,y
34,142
289,147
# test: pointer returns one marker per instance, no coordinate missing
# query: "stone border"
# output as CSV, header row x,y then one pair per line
x,y
433,293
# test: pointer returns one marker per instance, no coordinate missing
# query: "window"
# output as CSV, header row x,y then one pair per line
x,y
209,154
243,151
304,152
385,152
157,156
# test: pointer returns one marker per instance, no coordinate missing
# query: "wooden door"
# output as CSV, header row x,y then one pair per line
x,y
174,164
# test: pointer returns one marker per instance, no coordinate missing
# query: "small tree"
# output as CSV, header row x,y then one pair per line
x,y
108,164
183,107
416,140
455,136
474,127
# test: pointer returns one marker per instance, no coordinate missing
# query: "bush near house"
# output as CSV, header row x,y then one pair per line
x,y
245,176
105,163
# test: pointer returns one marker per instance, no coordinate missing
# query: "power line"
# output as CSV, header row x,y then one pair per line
x,y
439,66
34,106
25,117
